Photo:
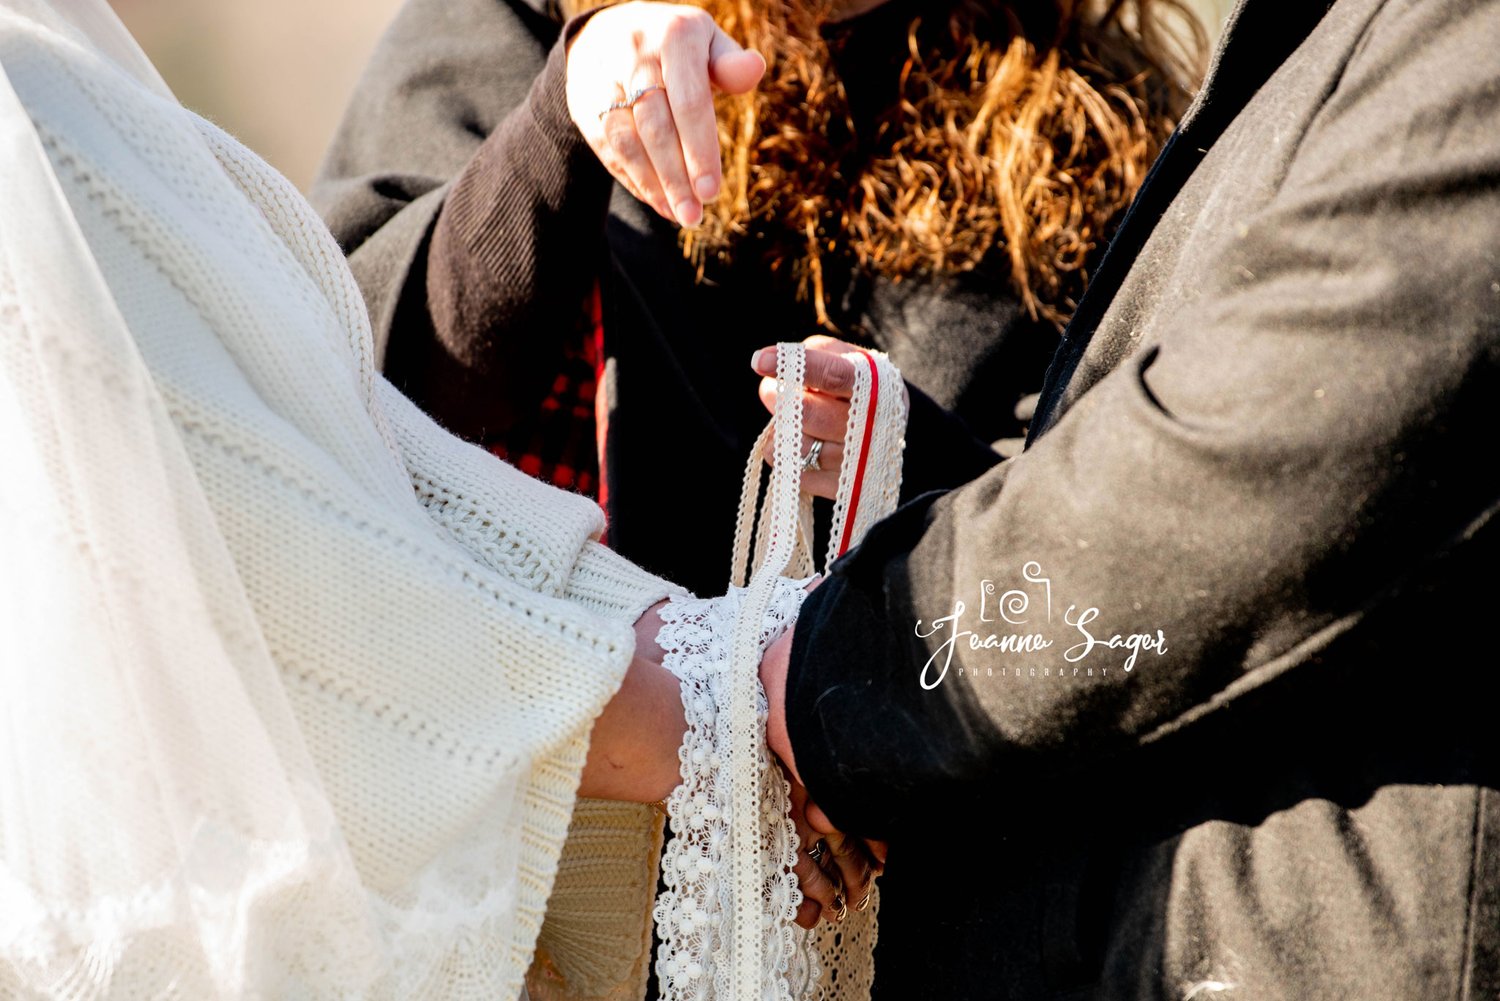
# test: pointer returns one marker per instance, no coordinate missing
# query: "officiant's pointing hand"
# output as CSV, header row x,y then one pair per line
x,y
641,79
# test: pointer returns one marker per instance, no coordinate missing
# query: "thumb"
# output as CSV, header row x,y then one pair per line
x,y
731,67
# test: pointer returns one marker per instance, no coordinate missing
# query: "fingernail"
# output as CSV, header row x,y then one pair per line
x,y
689,213
764,361
707,188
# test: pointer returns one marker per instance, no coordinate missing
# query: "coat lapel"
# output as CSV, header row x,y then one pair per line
x,y
1257,39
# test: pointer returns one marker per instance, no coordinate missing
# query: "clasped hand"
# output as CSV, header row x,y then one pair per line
x,y
835,871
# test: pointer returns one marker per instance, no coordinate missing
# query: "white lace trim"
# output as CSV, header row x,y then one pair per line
x,y
726,919
695,958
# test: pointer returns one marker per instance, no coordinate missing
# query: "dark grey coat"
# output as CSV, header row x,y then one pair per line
x,y
1268,440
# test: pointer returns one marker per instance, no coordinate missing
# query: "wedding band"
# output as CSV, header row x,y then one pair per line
x,y
811,462
816,852
630,99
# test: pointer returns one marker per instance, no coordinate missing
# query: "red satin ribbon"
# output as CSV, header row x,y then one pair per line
x,y
864,454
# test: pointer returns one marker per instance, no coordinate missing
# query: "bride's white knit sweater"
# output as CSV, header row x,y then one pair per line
x,y
446,628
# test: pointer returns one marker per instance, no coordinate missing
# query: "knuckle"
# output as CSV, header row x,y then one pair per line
x,y
681,28
699,21
654,128
619,134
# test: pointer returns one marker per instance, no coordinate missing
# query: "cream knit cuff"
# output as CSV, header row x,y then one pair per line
x,y
608,584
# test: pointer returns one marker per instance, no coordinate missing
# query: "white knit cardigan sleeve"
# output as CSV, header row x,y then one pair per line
x,y
558,608
553,551
446,628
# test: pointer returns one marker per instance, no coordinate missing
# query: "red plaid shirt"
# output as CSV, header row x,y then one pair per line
x,y
562,444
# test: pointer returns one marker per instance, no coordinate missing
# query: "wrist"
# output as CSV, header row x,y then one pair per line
x,y
633,745
647,627
574,26
773,671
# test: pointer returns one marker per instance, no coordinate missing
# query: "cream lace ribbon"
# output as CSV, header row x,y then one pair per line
x,y
725,919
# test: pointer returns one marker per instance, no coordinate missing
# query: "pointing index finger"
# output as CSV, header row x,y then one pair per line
x,y
685,72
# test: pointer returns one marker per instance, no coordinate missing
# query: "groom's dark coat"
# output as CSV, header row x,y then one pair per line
x,y
1268,443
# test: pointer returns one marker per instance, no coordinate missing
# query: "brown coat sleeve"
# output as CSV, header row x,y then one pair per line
x,y
471,210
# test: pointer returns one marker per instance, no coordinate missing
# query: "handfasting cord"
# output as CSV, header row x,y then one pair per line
x,y
869,490
747,733
726,917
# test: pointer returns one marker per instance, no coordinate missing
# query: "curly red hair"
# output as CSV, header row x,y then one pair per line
x,y
1022,129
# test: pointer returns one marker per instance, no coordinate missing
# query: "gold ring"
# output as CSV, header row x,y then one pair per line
x,y
817,851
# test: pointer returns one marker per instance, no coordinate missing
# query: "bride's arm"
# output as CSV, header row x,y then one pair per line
x,y
542,538
633,746
535,534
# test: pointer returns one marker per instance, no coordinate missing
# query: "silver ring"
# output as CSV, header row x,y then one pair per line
x,y
817,850
630,99
811,462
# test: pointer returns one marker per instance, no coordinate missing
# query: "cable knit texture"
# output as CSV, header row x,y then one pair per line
x,y
446,628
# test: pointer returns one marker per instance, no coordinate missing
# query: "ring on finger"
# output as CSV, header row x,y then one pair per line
x,y
817,851
630,99
813,455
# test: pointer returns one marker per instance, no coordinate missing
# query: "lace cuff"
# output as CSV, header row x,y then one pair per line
x,y
693,914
